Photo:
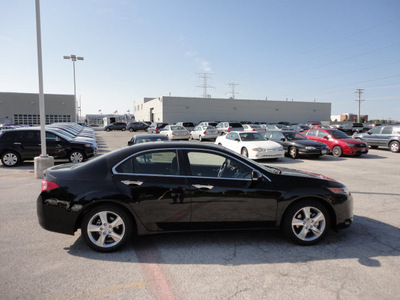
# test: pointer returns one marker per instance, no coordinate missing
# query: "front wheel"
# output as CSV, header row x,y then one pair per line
x,y
337,151
123,129
244,152
394,146
306,222
10,159
293,152
131,129
106,228
200,138
76,156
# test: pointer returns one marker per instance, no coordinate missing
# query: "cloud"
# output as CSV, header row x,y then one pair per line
x,y
204,65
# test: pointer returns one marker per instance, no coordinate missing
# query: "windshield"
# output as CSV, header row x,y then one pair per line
x,y
337,134
251,137
177,128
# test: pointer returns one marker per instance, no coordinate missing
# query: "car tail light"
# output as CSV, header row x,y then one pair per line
x,y
155,130
253,129
229,130
48,185
218,132
204,132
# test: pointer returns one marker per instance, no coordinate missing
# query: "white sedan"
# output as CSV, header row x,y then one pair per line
x,y
251,144
175,132
204,133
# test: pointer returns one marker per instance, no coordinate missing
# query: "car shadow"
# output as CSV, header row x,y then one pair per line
x,y
366,240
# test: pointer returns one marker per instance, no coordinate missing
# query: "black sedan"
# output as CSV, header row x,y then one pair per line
x,y
145,138
181,186
296,144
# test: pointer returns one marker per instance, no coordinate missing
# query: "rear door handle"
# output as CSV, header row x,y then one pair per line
x,y
201,186
129,182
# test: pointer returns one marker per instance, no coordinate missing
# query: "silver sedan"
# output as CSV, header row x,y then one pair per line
x,y
204,133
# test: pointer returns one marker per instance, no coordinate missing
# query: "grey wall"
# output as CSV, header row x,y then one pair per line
x,y
28,104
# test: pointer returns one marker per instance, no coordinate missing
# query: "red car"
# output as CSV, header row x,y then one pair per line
x,y
338,142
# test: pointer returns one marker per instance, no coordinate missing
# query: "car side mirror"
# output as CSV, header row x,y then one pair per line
x,y
369,132
326,137
58,139
283,139
256,175
237,140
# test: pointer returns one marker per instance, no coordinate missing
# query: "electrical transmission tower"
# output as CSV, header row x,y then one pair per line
x,y
232,92
359,100
205,86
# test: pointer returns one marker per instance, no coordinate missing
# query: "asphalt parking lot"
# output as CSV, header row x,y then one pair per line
x,y
361,262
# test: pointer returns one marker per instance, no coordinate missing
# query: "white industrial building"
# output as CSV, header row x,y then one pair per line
x,y
175,109
23,108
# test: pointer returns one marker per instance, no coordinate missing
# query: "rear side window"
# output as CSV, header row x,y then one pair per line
x,y
311,133
7,136
155,163
387,130
31,136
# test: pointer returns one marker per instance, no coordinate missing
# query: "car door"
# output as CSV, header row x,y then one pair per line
x,y
385,135
223,194
371,137
29,143
156,189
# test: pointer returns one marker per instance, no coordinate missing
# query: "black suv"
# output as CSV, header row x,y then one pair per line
x,y
382,136
134,126
156,127
116,126
17,145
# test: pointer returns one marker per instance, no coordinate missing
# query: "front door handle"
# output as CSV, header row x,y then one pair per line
x,y
129,182
201,186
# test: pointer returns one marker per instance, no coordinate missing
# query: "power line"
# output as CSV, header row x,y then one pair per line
x,y
232,92
205,86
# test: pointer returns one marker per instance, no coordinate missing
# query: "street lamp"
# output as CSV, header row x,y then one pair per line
x,y
74,58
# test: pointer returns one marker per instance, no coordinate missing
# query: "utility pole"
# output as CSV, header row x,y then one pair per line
x,y
359,92
205,76
232,92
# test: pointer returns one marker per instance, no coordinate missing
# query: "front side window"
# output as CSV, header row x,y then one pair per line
x,y
205,164
152,163
311,133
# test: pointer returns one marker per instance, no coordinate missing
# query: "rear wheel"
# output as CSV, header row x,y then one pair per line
x,y
394,146
200,138
131,130
337,151
123,128
76,156
106,228
306,222
10,159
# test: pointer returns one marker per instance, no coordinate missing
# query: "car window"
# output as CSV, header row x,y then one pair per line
x,y
387,130
31,136
321,133
277,135
376,130
205,164
154,162
251,137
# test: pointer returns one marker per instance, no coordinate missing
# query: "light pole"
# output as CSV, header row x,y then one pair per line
x,y
74,58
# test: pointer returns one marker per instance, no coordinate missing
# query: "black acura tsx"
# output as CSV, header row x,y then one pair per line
x,y
181,186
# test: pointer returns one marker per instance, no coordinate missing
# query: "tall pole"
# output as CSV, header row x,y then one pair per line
x,y
74,58
359,92
41,94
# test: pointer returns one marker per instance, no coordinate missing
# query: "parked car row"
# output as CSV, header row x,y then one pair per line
x,y
63,141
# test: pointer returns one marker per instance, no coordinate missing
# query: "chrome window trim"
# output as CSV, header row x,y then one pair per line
x,y
114,171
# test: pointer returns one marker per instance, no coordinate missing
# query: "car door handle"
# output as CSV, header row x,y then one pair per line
x,y
201,186
17,143
129,182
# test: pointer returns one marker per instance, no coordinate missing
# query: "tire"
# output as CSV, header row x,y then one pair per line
x,y
306,222
200,138
108,129
337,151
293,152
123,129
10,159
374,147
76,156
394,146
244,152
106,228
131,130
190,137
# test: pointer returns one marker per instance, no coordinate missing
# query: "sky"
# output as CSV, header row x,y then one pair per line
x,y
309,50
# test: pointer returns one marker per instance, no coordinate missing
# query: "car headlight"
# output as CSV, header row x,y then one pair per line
x,y
339,190
310,148
258,149
350,144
